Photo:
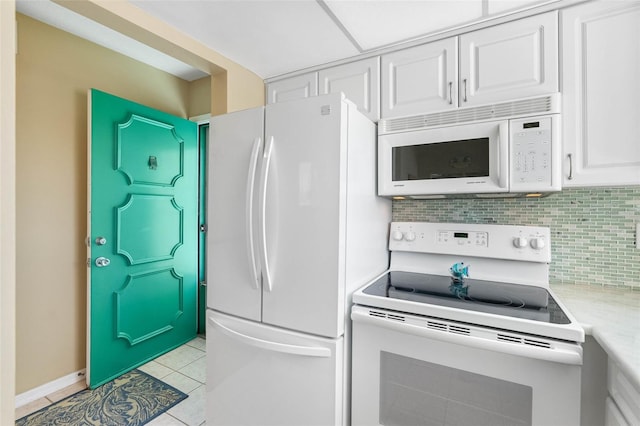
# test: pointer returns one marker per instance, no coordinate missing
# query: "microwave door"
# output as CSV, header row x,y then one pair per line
x,y
450,160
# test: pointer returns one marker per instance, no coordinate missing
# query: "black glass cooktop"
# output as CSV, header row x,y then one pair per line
x,y
514,300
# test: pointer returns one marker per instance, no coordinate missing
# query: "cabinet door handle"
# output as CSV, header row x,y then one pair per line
x,y
450,89
570,177
464,95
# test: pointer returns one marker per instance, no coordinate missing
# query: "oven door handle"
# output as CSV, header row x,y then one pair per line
x,y
571,356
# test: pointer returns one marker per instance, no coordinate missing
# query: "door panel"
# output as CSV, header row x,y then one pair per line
x,y
305,216
419,79
509,61
600,130
280,376
143,227
359,81
299,87
232,263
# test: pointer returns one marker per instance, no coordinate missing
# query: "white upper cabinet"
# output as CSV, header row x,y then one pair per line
x,y
515,60
419,79
359,81
509,61
299,87
601,93
500,6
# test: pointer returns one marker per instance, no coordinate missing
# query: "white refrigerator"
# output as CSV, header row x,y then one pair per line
x,y
295,227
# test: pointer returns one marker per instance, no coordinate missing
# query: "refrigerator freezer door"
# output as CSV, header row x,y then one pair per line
x,y
305,214
233,266
262,375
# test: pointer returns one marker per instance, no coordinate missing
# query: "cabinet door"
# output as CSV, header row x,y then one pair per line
x,y
359,81
624,393
509,61
613,416
420,79
500,6
299,87
601,99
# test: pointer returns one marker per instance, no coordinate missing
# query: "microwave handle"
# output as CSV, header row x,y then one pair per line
x,y
503,154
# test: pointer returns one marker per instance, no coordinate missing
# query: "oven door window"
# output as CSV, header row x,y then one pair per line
x,y
467,158
417,392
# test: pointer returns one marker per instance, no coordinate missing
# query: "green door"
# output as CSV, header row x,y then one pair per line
x,y
143,235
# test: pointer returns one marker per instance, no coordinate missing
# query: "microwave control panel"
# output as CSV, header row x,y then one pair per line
x,y
532,153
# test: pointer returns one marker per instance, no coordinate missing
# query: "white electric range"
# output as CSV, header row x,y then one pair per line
x,y
434,346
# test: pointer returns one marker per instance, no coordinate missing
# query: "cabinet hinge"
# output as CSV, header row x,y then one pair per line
x,y
203,227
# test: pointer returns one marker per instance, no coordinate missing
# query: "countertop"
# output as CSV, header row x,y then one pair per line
x,y
612,317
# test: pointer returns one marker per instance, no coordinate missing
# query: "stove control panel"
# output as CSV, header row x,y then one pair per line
x,y
458,238
528,243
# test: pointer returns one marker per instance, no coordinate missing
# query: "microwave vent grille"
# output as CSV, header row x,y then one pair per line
x,y
542,105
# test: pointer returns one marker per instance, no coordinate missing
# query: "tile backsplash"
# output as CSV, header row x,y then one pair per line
x,y
592,230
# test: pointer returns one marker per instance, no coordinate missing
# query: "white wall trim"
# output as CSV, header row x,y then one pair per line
x,y
49,388
8,50
201,119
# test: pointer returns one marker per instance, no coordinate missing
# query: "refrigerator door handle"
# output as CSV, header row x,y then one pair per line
x,y
251,179
268,150
309,351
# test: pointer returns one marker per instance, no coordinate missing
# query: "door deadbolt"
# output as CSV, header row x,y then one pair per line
x,y
101,262
101,241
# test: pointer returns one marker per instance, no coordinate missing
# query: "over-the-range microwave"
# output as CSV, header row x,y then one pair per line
x,y
502,150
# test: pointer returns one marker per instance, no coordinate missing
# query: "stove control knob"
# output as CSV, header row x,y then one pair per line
x,y
537,243
410,236
520,242
397,236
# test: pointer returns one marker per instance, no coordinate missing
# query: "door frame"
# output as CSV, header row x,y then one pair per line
x,y
203,122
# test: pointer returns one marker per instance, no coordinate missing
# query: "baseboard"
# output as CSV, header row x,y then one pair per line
x,y
49,388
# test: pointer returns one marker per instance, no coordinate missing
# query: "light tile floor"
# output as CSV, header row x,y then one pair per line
x,y
183,368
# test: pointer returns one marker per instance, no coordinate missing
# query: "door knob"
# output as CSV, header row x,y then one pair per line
x,y
101,262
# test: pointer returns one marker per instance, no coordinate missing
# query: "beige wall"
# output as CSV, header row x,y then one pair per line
x,y
219,94
54,72
7,211
200,97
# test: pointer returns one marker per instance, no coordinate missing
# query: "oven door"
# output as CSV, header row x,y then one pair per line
x,y
413,370
464,159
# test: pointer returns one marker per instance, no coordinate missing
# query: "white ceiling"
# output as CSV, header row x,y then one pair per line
x,y
275,37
